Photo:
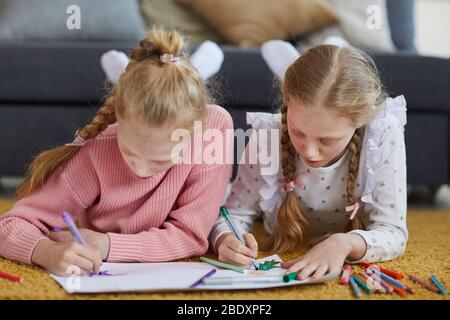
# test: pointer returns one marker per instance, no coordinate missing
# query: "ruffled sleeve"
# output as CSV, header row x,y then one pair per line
x,y
382,172
256,186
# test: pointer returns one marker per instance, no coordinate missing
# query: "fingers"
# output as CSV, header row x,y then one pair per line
x,y
233,251
251,244
83,263
293,265
228,255
60,236
320,271
307,270
288,264
238,246
92,255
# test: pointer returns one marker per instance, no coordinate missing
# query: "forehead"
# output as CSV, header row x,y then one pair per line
x,y
152,142
316,121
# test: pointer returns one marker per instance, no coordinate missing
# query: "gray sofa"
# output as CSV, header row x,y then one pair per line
x,y
48,89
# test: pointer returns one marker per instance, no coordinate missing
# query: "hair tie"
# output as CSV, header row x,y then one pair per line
x,y
354,208
77,142
169,58
294,184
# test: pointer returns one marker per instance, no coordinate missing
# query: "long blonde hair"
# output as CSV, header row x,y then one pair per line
x,y
346,81
150,90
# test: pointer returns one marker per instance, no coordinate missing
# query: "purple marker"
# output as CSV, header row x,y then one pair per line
x,y
73,228
75,233
200,281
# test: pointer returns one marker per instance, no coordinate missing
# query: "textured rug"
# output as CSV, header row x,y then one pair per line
x,y
428,252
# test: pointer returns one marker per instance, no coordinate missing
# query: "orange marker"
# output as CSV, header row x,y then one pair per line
x,y
401,292
393,274
11,277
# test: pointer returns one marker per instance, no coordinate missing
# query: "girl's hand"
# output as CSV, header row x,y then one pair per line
x,y
327,256
231,250
60,258
97,240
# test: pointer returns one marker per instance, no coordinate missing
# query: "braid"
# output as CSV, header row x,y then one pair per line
x,y
105,116
290,233
288,151
354,146
45,163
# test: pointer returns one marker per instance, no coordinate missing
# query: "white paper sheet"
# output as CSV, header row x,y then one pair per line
x,y
167,276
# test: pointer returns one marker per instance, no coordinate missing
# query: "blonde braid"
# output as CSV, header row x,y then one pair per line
x,y
45,163
354,145
105,116
291,232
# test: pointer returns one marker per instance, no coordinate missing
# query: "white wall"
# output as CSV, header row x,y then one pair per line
x,y
433,27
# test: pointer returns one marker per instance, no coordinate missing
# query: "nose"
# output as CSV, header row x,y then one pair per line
x,y
310,151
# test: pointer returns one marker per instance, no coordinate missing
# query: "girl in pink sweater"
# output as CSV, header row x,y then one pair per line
x,y
118,178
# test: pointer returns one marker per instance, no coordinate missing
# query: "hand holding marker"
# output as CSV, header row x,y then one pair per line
x,y
234,230
74,230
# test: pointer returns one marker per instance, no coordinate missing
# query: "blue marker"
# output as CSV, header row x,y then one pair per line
x,y
439,285
356,289
392,281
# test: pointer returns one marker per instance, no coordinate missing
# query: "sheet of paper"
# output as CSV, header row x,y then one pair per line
x,y
272,272
137,277
165,276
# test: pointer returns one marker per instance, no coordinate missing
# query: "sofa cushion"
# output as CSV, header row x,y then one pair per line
x,y
54,71
356,16
253,22
401,21
57,19
172,15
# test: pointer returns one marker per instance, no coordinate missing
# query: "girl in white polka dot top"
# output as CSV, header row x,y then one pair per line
x,y
340,190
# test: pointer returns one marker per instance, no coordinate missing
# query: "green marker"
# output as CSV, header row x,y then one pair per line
x,y
234,230
359,281
290,276
223,265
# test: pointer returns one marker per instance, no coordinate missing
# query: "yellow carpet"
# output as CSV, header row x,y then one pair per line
x,y
428,252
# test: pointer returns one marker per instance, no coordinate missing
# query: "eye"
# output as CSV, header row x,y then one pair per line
x,y
299,134
328,142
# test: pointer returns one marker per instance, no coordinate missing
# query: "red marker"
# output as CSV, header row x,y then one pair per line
x,y
11,277
423,283
345,278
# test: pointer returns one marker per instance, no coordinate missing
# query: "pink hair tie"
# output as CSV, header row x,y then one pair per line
x,y
354,208
77,142
169,58
294,184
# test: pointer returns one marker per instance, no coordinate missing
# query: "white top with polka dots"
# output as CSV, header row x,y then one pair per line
x,y
380,188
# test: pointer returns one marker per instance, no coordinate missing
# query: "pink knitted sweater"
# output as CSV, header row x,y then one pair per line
x,y
164,217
